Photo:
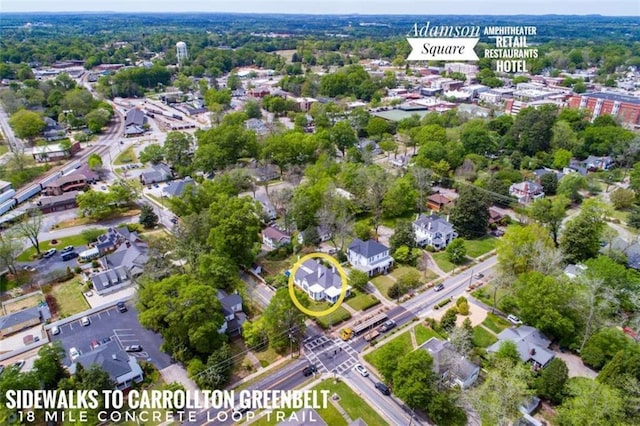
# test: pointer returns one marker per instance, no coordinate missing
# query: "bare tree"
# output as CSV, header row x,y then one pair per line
x,y
10,248
30,228
335,216
596,299
422,181
281,200
294,175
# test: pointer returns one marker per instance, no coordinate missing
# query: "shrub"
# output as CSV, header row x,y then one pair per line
x,y
463,308
95,264
448,321
461,300
77,270
443,303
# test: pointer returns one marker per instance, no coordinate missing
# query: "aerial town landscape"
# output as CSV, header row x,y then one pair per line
x,y
176,187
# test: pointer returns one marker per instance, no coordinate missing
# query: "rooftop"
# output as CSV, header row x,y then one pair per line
x,y
368,249
613,97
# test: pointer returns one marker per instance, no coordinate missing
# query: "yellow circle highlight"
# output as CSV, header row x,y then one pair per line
x,y
343,288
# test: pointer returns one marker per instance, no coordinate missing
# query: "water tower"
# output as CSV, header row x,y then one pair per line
x,y
181,52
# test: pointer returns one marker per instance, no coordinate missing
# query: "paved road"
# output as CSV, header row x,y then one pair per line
x,y
7,131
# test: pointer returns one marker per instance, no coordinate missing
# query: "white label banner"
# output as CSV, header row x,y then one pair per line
x,y
442,49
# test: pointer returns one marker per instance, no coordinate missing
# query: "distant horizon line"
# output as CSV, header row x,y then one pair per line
x,y
301,13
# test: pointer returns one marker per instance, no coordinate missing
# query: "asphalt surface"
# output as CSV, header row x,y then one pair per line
x,y
122,327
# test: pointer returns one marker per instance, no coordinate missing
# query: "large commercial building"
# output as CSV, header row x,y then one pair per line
x,y
625,108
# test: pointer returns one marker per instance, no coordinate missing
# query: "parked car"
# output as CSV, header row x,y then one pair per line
x,y
94,344
311,369
360,369
18,364
384,389
29,268
514,319
85,321
47,254
133,348
55,330
69,255
67,249
106,340
121,307
73,354
478,276
438,287
388,325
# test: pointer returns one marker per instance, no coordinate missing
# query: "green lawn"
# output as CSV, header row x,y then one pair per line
x,y
402,270
442,260
30,253
350,402
69,297
3,149
476,248
266,357
482,338
424,333
495,323
363,301
404,340
485,294
383,284
341,314
127,156
22,178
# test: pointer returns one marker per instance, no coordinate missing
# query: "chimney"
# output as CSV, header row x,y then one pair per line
x,y
429,226
447,218
319,271
114,357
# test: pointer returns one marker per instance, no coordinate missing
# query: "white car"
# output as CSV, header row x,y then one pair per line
x,y
360,369
73,354
47,254
514,320
55,330
85,321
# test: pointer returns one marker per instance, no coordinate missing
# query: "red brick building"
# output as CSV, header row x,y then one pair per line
x,y
623,107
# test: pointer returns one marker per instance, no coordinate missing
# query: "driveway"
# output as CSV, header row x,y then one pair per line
x,y
123,328
575,365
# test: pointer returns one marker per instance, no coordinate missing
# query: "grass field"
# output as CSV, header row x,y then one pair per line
x,y
362,302
28,302
22,178
3,149
127,156
403,340
354,406
442,260
424,333
482,338
476,248
69,297
495,323
30,253
383,284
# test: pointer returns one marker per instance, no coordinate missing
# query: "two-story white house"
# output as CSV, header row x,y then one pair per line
x,y
319,281
234,317
449,365
433,231
369,256
273,237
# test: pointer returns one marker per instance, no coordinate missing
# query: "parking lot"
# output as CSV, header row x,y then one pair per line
x,y
121,327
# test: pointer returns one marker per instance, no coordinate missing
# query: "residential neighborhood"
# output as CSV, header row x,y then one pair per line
x,y
162,175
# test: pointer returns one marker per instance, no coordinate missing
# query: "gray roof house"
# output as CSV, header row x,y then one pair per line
x,y
323,233
369,145
532,345
232,311
319,281
177,187
449,365
122,368
134,122
156,173
369,256
629,249
23,319
111,280
433,231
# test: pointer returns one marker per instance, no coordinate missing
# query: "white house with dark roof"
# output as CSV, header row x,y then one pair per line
x,y
156,173
449,365
319,281
122,368
369,256
234,316
433,231
532,345
526,191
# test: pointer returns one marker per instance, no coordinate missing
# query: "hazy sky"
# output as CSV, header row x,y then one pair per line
x,y
404,7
